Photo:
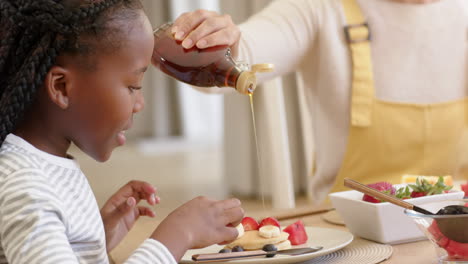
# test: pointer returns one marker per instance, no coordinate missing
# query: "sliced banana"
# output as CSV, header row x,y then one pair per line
x,y
284,245
240,229
269,231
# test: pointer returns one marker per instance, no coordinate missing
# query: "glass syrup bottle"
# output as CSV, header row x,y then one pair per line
x,y
203,67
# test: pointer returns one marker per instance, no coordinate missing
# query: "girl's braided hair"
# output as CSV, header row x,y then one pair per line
x,y
34,32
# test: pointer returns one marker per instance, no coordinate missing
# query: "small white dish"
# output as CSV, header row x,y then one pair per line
x,y
382,222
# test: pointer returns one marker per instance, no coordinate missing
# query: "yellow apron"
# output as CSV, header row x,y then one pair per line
x,y
388,139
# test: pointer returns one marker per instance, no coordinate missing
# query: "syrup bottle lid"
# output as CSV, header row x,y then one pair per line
x,y
247,80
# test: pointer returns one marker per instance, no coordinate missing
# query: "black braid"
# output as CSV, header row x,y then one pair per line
x,y
32,34
14,101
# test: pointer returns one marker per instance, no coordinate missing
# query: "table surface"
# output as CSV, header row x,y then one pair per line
x,y
421,252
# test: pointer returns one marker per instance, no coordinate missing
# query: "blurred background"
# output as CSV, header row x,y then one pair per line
x,y
188,143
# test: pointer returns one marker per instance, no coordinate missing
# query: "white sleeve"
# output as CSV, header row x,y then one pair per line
x,y
282,33
151,252
32,224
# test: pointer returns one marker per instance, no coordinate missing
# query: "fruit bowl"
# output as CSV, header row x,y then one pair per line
x,y
448,249
382,222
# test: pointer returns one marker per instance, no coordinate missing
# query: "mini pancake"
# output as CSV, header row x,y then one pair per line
x,y
283,245
252,240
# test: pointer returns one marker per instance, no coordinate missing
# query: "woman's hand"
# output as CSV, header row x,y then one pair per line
x,y
199,223
120,212
204,29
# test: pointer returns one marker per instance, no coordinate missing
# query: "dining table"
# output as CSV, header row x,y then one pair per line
x,y
419,252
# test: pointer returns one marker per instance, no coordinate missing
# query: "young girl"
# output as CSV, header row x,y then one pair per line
x,y
71,72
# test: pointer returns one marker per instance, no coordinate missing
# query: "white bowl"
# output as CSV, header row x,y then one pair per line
x,y
382,222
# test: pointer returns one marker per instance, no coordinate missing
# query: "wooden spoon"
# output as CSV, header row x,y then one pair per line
x,y
454,228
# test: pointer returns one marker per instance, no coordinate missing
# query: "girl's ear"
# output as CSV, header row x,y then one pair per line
x,y
57,84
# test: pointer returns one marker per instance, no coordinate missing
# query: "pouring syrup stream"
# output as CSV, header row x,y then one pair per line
x,y
259,163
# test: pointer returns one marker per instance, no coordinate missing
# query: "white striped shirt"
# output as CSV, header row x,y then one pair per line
x,y
48,212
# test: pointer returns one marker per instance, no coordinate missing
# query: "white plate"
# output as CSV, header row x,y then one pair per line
x,y
330,239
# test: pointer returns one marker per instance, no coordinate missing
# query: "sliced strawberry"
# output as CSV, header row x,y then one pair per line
x,y
415,194
269,221
464,188
297,233
249,223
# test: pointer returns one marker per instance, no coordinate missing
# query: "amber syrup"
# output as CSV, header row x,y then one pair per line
x,y
200,67
259,162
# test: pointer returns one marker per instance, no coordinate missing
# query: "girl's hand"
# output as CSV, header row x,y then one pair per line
x,y
199,223
204,29
120,212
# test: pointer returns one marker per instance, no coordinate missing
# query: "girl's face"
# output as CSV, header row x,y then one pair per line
x,y
102,101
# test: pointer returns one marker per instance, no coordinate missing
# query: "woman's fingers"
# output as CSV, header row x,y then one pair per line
x,y
227,36
187,22
205,29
